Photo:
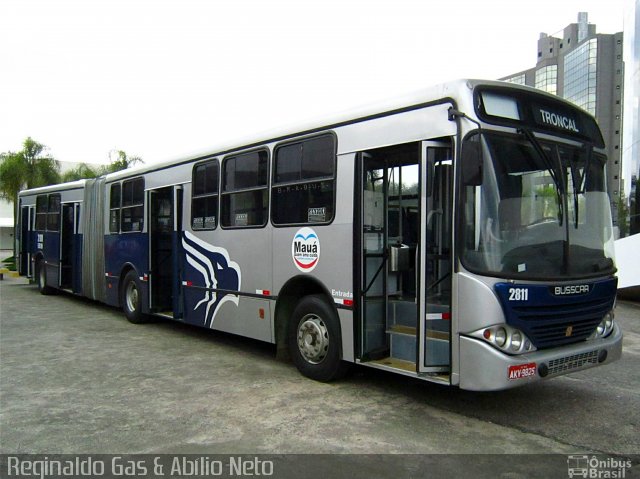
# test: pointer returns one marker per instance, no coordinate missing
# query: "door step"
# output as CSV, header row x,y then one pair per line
x,y
396,364
403,342
402,329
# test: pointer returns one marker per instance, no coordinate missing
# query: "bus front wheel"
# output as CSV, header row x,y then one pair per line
x,y
131,298
314,339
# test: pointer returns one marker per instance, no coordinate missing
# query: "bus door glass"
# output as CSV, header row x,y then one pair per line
x,y
31,238
163,227
435,245
389,222
25,241
70,251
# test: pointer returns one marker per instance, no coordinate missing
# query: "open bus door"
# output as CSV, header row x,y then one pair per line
x,y
436,218
70,248
405,216
27,222
165,225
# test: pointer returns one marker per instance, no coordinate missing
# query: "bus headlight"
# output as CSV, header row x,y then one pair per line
x,y
605,327
507,339
516,340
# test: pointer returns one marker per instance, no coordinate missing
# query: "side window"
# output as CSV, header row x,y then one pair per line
x,y
204,196
41,212
132,213
114,208
245,194
303,190
53,213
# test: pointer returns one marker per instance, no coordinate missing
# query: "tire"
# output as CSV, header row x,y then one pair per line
x,y
131,298
41,279
314,339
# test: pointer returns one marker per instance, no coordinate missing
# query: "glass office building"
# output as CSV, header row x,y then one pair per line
x,y
586,68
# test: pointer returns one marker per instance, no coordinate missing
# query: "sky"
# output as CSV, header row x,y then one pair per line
x,y
162,78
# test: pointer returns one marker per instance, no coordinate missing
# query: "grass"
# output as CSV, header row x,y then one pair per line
x,y
9,263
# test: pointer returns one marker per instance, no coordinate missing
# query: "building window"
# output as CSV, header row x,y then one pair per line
x,y
245,194
303,190
517,79
547,79
204,196
580,68
132,211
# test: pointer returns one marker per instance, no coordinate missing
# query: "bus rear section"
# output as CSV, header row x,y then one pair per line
x,y
50,239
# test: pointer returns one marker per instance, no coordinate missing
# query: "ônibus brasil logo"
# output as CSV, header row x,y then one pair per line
x,y
305,249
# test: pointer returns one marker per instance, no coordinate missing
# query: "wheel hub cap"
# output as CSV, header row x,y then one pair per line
x,y
132,297
313,339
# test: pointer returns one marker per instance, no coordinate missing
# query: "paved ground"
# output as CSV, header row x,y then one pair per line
x,y
76,377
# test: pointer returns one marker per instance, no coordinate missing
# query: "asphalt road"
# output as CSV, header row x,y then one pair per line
x,y
76,377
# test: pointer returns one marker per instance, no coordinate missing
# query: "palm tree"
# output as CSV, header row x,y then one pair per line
x,y
119,160
41,170
27,168
80,172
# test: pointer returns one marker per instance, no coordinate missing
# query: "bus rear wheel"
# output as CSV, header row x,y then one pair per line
x,y
314,340
41,275
131,298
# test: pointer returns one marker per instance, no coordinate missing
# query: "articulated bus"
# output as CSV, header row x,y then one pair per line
x,y
461,235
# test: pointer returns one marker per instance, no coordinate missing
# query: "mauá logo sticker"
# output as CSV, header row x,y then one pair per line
x,y
305,249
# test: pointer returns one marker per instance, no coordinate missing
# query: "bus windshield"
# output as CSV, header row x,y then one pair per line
x,y
536,210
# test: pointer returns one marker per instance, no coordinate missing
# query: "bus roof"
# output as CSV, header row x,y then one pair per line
x,y
72,185
408,101
416,99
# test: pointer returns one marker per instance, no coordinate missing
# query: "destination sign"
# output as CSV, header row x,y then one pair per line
x,y
548,117
518,108
559,121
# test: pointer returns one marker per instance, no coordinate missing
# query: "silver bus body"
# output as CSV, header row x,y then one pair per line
x,y
382,255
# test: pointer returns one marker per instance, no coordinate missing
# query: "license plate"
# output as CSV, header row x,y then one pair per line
x,y
522,371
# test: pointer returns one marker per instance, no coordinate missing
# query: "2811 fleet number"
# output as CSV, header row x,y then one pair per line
x,y
518,294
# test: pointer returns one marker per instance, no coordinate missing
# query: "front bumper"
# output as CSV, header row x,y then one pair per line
x,y
484,368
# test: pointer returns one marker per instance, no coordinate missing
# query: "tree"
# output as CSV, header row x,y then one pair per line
x,y
119,160
41,169
82,171
27,168
12,174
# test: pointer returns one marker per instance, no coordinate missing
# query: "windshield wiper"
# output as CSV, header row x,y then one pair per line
x,y
579,180
560,190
